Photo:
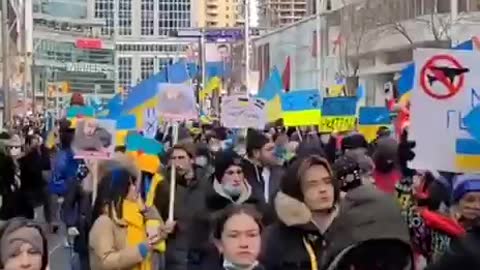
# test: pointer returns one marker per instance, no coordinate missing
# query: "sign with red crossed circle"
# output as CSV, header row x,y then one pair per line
x,y
442,77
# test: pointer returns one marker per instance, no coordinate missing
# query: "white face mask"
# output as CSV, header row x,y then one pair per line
x,y
232,190
15,151
214,147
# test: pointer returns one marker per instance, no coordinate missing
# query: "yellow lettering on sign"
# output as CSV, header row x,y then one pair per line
x,y
337,123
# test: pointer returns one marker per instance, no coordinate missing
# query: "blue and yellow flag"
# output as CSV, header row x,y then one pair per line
x,y
301,108
338,114
371,119
77,112
271,92
145,151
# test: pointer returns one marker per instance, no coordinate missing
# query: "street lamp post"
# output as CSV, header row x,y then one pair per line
x,y
5,74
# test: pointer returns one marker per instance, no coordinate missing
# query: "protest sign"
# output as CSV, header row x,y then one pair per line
x,y
243,112
371,119
151,122
301,108
338,114
94,138
176,102
445,117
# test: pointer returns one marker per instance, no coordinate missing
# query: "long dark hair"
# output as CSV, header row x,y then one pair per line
x,y
112,190
20,222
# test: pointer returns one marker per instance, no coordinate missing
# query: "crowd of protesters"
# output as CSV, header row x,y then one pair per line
x,y
275,199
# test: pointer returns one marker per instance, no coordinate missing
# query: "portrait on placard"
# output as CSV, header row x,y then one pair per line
x,y
176,102
94,138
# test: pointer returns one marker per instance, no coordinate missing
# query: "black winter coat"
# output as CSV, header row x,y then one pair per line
x,y
463,253
364,214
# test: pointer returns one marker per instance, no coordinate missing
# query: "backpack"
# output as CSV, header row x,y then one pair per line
x,y
63,173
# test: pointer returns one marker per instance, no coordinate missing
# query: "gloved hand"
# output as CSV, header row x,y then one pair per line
x,y
73,231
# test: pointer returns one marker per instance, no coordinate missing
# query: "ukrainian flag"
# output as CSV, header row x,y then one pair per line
x,y
301,108
371,119
467,157
212,85
76,112
145,152
338,114
271,92
125,123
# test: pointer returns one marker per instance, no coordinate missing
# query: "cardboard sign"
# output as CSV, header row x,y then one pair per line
x,y
151,123
338,114
337,123
176,102
301,108
445,117
371,119
243,112
94,138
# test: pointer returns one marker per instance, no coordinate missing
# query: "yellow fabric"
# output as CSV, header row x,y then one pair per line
x,y
311,255
146,163
121,137
157,178
211,86
50,141
136,230
274,108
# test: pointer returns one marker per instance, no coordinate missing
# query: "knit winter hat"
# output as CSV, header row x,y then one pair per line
x,y
464,184
225,159
347,172
354,141
13,238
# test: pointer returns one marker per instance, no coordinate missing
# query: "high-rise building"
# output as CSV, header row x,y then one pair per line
x,y
278,13
69,54
144,44
219,13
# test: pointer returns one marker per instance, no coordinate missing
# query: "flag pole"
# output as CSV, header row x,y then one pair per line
x,y
247,45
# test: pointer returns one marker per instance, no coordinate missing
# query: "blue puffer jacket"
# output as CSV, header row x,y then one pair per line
x,y
63,173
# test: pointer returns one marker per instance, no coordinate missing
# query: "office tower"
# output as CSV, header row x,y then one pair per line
x,y
278,13
69,54
144,44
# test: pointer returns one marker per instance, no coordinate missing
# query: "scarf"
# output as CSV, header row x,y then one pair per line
x,y
136,230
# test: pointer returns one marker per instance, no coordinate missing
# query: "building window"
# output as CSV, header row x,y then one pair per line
x,y
163,62
173,15
147,22
146,67
104,9
125,17
125,72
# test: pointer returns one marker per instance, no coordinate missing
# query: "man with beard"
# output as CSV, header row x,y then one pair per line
x,y
189,233
262,168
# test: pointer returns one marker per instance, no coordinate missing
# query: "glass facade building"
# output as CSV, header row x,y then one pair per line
x,y
143,43
60,59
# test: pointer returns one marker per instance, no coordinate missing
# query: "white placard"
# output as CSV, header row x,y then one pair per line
x,y
94,138
243,112
446,89
176,102
151,123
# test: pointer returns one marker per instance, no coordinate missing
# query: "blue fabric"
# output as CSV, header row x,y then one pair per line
x,y
465,187
64,172
143,250
405,83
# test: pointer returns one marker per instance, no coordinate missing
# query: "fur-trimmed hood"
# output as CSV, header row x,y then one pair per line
x,y
217,198
364,214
